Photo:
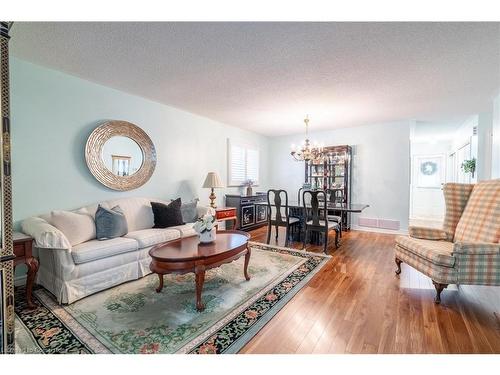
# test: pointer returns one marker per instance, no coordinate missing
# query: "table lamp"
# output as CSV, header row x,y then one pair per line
x,y
212,181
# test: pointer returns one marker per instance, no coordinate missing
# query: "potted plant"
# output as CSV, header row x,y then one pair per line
x,y
206,229
249,184
469,166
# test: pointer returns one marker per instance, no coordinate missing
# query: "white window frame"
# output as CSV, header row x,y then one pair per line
x,y
247,146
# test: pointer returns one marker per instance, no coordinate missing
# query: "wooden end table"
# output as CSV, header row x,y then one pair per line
x,y
23,250
189,255
227,214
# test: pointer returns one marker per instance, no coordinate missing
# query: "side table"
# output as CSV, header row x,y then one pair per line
x,y
23,250
227,214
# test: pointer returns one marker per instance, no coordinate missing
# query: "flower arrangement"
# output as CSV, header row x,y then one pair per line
x,y
249,183
205,224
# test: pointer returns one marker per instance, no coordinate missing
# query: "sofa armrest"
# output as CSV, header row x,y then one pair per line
x,y
46,236
202,210
477,248
427,233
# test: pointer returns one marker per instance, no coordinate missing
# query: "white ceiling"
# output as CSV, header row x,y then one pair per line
x,y
266,76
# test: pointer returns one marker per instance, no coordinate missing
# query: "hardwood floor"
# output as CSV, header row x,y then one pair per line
x,y
356,304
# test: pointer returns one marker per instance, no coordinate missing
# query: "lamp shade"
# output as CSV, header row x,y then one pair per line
x,y
213,181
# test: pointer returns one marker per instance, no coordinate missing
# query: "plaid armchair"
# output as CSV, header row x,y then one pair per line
x,y
467,249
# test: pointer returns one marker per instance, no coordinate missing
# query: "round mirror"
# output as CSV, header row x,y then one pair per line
x,y
120,155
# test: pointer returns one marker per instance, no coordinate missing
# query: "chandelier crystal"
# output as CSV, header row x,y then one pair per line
x,y
307,151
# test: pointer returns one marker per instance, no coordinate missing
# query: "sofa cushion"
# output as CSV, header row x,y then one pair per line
x,y
480,221
110,223
150,237
189,211
95,249
185,230
167,215
437,252
137,211
77,226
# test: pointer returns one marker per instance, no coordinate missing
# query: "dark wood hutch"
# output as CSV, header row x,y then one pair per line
x,y
333,173
250,215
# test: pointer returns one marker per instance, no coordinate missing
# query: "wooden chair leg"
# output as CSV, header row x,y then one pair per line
x,y
337,232
325,245
269,233
277,231
305,239
398,264
439,288
287,235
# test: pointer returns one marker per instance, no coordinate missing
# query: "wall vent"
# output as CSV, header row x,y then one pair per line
x,y
379,223
367,222
388,224
474,130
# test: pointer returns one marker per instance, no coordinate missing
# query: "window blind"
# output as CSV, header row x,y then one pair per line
x,y
243,163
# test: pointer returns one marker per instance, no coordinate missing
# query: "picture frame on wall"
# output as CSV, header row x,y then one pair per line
x,y
430,170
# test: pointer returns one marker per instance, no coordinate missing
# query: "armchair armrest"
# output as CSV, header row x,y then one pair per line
x,y
477,248
202,210
427,233
46,236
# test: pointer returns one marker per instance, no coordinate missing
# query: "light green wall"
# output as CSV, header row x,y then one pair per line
x,y
53,114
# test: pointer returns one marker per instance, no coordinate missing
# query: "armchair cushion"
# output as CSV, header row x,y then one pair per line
x,y
427,233
477,248
437,252
478,263
480,221
46,236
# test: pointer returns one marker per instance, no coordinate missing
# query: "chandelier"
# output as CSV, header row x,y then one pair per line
x,y
308,152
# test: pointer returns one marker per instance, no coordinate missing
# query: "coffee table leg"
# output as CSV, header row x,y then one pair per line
x,y
200,279
160,287
247,260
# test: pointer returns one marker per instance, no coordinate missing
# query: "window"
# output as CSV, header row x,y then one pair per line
x,y
243,163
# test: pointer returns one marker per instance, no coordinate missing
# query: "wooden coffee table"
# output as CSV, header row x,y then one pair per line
x,y
189,255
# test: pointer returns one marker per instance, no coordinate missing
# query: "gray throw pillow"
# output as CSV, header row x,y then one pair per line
x,y
110,223
189,211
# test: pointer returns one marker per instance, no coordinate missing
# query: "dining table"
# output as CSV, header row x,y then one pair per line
x,y
297,209
353,207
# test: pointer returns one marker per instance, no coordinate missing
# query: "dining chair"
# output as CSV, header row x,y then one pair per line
x,y
318,216
278,213
335,196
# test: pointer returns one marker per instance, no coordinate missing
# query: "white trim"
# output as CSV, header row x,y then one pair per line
x,y
379,230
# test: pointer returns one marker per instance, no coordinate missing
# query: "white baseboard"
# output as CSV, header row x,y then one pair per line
x,y
379,230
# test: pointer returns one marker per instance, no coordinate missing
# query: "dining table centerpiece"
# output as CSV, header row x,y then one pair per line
x,y
206,228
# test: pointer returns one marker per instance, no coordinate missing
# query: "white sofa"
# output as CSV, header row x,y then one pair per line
x,y
73,272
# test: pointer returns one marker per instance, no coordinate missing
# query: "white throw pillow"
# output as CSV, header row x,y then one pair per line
x,y
77,226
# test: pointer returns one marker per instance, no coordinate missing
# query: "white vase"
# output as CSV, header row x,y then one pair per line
x,y
208,236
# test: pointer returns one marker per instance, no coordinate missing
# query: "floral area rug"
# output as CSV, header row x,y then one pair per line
x,y
133,318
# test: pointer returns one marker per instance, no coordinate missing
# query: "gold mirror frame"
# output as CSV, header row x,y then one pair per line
x,y
93,155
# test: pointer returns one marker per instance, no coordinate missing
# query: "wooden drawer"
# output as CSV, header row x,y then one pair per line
x,y
225,213
19,250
